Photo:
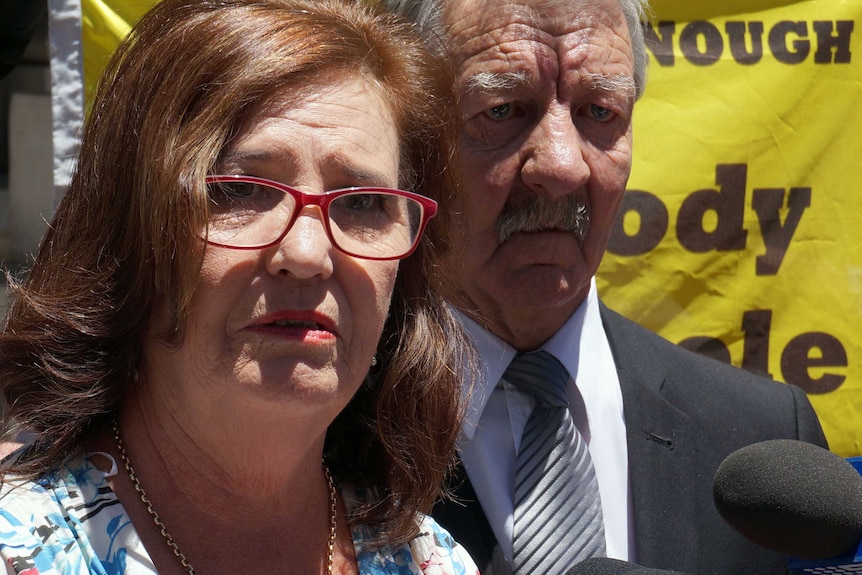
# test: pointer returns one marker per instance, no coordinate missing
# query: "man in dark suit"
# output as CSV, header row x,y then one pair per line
x,y
547,93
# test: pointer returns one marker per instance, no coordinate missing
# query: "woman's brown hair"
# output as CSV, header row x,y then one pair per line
x,y
125,234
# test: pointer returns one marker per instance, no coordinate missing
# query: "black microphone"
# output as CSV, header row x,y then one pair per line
x,y
795,498
606,566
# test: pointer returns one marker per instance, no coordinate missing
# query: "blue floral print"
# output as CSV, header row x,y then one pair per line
x,y
71,523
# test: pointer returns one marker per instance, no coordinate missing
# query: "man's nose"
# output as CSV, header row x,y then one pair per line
x,y
305,251
554,164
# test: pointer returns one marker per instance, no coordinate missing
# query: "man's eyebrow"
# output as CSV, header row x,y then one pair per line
x,y
616,84
496,81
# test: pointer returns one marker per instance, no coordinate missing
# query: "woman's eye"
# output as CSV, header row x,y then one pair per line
x,y
223,194
242,190
360,201
599,113
243,196
501,112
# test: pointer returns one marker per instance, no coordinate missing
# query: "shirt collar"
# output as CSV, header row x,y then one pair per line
x,y
495,354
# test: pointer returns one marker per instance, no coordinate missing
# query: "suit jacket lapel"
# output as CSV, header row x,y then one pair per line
x,y
663,446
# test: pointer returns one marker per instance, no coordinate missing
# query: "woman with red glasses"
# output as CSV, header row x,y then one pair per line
x,y
232,350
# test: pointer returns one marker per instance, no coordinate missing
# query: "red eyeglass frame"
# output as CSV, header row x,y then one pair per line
x,y
323,200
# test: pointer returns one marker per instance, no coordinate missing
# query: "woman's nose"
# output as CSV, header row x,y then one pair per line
x,y
305,251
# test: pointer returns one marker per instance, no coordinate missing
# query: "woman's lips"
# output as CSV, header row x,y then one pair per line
x,y
296,323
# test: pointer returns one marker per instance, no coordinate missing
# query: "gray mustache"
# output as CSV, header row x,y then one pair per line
x,y
534,214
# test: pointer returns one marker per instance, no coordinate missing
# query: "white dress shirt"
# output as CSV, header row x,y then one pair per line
x,y
497,413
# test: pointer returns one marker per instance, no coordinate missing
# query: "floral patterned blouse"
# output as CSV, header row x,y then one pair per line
x,y
71,523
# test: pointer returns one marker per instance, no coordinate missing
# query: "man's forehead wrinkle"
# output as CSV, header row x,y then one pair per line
x,y
553,16
597,46
486,23
516,54
539,45
510,37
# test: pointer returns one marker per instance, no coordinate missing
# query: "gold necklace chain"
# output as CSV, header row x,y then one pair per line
x,y
330,552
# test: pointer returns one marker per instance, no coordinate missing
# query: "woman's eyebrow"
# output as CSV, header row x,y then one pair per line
x,y
256,158
247,156
367,177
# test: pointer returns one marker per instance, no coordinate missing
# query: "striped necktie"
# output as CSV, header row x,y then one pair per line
x,y
558,515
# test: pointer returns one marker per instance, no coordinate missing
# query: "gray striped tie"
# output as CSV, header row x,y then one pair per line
x,y
558,514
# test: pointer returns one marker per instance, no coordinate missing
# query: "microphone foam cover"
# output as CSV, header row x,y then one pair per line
x,y
605,566
792,497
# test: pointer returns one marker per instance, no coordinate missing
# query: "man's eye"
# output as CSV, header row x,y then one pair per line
x,y
600,113
501,112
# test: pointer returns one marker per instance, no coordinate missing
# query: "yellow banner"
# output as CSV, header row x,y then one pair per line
x,y
737,237
103,24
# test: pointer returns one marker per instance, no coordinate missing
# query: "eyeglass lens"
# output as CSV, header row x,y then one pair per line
x,y
365,223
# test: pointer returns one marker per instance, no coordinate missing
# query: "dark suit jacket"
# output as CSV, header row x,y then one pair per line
x,y
684,414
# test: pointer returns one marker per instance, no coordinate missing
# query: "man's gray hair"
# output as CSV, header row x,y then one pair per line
x,y
428,14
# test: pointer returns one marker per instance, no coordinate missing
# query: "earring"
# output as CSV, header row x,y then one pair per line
x,y
374,360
